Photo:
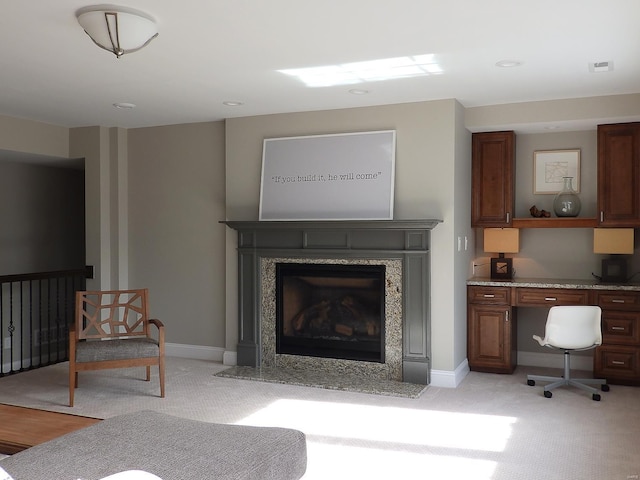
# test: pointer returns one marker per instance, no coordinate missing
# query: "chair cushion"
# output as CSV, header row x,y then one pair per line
x,y
116,349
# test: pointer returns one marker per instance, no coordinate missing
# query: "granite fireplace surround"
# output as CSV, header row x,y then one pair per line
x,y
403,246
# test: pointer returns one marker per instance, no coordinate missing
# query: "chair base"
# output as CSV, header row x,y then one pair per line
x,y
581,383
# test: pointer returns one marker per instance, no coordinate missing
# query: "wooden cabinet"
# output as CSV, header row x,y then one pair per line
x,y
491,330
618,358
548,297
619,175
492,184
491,326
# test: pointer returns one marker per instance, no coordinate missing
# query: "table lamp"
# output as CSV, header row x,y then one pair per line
x,y
614,241
501,241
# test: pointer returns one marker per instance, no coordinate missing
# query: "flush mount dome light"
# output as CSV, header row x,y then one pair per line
x,y
118,30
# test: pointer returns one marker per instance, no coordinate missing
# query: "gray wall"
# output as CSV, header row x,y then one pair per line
x,y
42,212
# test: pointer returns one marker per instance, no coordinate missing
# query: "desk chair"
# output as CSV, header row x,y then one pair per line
x,y
571,328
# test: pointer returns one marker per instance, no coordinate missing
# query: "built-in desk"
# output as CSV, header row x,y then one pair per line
x,y
492,322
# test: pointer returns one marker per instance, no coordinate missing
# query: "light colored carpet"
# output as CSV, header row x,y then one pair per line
x,y
492,427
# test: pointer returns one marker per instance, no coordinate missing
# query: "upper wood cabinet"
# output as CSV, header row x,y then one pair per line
x,y
492,183
619,175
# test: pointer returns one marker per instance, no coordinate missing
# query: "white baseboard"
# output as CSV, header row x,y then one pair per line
x,y
230,358
449,379
198,352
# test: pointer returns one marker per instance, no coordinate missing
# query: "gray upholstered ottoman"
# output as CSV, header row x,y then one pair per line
x,y
170,447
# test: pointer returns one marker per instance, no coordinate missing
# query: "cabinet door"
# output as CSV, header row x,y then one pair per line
x,y
492,183
618,364
619,175
491,339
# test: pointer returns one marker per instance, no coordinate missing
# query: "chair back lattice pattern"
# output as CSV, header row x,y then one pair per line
x,y
111,314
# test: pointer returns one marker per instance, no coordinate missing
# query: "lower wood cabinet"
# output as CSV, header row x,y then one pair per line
x,y
491,330
491,327
618,358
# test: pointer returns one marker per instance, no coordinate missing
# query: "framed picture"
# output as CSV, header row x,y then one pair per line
x,y
549,166
344,176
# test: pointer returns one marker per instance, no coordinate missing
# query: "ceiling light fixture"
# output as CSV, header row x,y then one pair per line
x,y
232,103
118,30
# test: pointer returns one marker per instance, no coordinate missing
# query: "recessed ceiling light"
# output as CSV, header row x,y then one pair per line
x,y
124,105
231,103
358,91
508,63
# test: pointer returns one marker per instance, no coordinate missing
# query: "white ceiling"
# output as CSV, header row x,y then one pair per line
x,y
211,51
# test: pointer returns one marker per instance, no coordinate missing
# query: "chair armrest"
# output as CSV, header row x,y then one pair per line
x,y
156,322
160,326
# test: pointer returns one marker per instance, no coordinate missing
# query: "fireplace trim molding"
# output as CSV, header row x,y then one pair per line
x,y
407,240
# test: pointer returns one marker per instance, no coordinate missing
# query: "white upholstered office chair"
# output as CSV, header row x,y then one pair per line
x,y
571,328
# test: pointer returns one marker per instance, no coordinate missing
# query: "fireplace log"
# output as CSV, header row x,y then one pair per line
x,y
343,330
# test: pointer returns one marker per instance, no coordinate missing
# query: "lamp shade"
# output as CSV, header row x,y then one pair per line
x,y
117,30
501,240
613,240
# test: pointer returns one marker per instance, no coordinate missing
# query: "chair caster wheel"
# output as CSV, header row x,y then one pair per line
x,y
596,397
548,394
604,388
531,383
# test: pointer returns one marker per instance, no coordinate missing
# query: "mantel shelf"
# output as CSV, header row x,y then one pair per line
x,y
555,222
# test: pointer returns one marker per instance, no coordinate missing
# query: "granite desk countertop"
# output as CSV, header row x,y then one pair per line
x,y
553,283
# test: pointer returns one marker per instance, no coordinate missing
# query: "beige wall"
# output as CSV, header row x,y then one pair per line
x,y
155,195
33,137
424,186
176,245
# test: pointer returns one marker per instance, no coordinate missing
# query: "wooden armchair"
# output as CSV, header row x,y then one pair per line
x,y
112,330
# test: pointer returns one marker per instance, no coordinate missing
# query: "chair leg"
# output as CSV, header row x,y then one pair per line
x,y
161,376
73,376
148,373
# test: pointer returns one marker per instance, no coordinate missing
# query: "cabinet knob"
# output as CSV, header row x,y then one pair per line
x,y
550,299
617,300
622,329
489,295
617,362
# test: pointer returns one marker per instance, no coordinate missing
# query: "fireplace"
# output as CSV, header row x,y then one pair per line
x,y
402,247
331,311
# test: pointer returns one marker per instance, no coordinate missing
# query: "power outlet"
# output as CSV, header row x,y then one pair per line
x,y
7,343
